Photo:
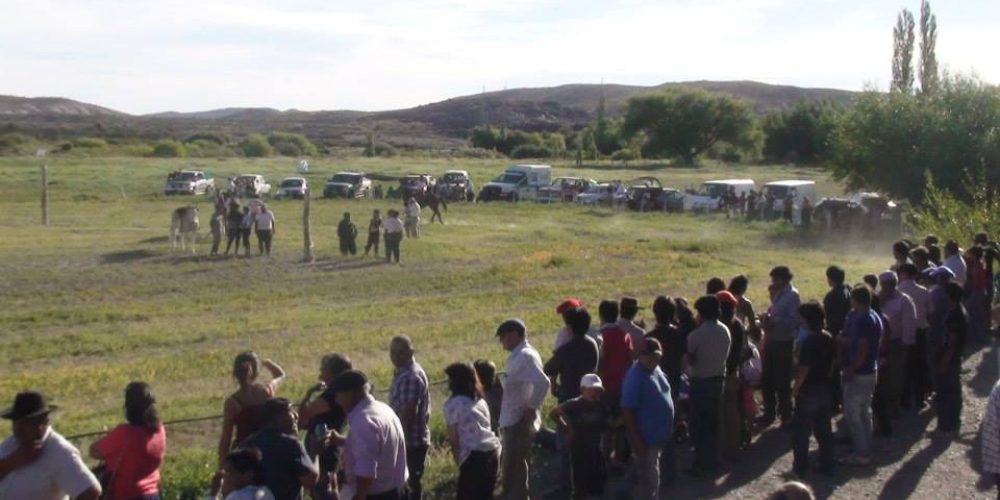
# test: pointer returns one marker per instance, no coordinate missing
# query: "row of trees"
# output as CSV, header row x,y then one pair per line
x,y
251,146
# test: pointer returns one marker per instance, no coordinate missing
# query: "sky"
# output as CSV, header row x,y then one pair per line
x,y
141,56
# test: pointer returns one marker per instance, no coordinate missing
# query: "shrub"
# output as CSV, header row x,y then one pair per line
x,y
625,155
207,137
169,149
531,151
255,146
288,144
90,142
12,140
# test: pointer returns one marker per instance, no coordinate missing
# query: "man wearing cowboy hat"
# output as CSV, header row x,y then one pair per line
x,y
36,462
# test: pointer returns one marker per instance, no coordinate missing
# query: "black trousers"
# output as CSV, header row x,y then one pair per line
x,y
245,233
917,381
416,456
372,243
706,408
948,399
589,471
392,246
777,379
813,411
388,495
233,236
348,246
478,475
264,241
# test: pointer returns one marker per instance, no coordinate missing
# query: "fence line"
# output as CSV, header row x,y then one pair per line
x,y
217,417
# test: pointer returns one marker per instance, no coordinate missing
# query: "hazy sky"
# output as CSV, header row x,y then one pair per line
x,y
144,56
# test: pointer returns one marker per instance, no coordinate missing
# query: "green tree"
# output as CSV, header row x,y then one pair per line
x,y
288,144
801,134
169,149
256,146
888,142
902,53
928,42
686,123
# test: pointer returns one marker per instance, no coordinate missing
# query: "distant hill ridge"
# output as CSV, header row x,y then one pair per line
x,y
50,106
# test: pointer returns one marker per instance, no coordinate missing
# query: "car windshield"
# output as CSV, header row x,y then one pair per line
x,y
291,183
510,178
713,190
453,178
345,178
245,179
776,191
598,188
185,176
412,180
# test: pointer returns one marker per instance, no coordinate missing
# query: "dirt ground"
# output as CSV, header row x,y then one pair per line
x,y
911,465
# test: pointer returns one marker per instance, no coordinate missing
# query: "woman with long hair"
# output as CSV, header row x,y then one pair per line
x,y
133,451
474,447
241,411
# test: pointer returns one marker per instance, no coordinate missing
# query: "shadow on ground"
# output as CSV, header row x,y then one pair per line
x,y
127,256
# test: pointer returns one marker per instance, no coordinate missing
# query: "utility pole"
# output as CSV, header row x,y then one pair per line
x,y
45,188
307,241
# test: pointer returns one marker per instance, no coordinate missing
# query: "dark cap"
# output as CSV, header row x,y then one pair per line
x,y
351,380
512,325
28,404
629,303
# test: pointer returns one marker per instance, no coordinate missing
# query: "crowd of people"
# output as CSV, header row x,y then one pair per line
x,y
235,224
628,396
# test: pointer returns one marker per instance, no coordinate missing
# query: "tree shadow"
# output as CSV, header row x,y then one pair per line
x,y
127,256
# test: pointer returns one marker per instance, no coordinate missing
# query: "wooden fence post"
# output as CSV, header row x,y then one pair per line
x,y
307,242
45,195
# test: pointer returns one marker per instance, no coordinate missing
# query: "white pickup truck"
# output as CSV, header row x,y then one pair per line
x,y
252,185
189,182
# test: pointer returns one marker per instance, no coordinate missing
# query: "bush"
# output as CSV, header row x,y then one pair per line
x,y
169,149
207,137
288,144
203,148
945,215
255,146
13,140
531,151
625,155
90,142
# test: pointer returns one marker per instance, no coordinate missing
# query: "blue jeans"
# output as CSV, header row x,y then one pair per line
x,y
858,392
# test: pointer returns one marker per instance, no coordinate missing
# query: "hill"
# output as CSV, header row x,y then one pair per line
x,y
443,124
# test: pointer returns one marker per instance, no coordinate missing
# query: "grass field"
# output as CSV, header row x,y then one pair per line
x,y
98,298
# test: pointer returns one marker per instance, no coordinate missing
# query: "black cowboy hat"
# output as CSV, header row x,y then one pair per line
x,y
28,404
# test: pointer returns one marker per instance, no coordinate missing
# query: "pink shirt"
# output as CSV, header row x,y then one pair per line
x,y
902,315
134,455
375,447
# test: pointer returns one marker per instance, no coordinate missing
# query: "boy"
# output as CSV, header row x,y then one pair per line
x,y
583,420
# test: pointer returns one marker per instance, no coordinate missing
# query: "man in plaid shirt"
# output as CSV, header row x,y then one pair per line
x,y
409,398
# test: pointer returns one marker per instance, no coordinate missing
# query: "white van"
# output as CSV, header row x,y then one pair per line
x,y
798,190
709,196
518,182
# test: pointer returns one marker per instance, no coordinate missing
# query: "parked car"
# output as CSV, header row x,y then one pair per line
x,y
647,193
189,182
251,185
564,189
798,190
347,185
417,185
518,182
709,197
456,185
596,194
293,187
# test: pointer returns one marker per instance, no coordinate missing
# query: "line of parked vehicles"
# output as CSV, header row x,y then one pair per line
x,y
534,182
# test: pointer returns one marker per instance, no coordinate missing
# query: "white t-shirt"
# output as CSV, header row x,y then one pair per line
x,y
58,474
473,421
251,493
392,225
265,221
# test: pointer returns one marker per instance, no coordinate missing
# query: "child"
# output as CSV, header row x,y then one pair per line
x,y
243,474
584,420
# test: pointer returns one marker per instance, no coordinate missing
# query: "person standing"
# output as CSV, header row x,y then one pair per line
x,y
234,221
568,364
374,233
780,327
858,347
613,364
246,227
708,349
975,293
628,310
436,202
953,260
133,451
393,236
744,310
412,212
948,392
902,315
374,448
565,334
347,233
916,379
409,398
672,341
811,393
733,428
266,230
217,226
241,410
648,411
474,447
584,420
324,413
836,306
36,462
287,467
524,391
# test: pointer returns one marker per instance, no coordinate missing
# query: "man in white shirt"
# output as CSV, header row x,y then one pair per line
x,y
524,390
36,462
953,260
412,213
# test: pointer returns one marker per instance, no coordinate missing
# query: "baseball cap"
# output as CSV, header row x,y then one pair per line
x,y
570,303
591,380
727,297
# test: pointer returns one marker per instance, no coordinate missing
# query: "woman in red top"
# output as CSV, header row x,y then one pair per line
x,y
240,415
133,452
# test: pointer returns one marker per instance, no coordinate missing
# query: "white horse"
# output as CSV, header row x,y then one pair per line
x,y
184,227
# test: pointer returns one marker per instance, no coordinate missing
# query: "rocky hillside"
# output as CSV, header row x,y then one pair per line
x,y
50,106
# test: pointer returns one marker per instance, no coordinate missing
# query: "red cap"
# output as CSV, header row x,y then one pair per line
x,y
568,304
727,297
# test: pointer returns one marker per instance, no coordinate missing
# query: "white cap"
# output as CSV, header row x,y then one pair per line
x,y
591,380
